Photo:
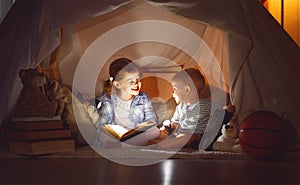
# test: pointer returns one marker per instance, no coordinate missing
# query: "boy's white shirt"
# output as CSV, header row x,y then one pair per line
x,y
183,109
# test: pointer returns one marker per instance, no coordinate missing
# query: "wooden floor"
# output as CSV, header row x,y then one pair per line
x,y
172,171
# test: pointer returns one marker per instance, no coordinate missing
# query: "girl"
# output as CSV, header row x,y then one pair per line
x,y
123,104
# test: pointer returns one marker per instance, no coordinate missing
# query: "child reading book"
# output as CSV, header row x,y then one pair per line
x,y
122,103
191,116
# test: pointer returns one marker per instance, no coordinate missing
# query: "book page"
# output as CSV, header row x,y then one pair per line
x,y
144,125
137,130
115,130
123,134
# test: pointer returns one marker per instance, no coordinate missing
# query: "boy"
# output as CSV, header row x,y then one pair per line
x,y
191,115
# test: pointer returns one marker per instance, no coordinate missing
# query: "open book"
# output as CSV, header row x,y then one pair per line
x,y
123,134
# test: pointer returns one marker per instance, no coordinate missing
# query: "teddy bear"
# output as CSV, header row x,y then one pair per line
x,y
45,97
228,140
62,94
32,100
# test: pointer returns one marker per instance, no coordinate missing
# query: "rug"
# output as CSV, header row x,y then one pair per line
x,y
89,152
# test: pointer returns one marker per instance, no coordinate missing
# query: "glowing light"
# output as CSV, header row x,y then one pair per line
x,y
167,168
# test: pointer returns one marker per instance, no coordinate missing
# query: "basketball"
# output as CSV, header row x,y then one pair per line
x,y
263,135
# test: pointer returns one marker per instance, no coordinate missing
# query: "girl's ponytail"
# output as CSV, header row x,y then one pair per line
x,y
107,87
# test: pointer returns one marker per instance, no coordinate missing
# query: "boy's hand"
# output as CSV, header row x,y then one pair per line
x,y
163,135
174,127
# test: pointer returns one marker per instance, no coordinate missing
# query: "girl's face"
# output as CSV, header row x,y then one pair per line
x,y
129,86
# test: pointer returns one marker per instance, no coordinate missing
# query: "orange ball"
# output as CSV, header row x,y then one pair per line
x,y
263,135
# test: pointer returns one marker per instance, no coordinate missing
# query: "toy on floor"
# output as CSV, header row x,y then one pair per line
x,y
264,135
43,97
228,141
33,100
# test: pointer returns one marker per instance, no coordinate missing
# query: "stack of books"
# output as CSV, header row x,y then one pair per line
x,y
39,136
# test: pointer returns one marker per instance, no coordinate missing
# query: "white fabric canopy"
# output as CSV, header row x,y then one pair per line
x,y
257,58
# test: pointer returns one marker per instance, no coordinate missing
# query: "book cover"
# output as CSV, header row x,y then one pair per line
x,y
28,135
38,125
35,118
42,147
122,134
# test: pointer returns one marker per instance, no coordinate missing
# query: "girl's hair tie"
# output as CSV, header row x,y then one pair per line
x,y
111,79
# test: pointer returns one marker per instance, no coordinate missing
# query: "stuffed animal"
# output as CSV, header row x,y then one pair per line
x,y
228,141
59,92
32,100
46,98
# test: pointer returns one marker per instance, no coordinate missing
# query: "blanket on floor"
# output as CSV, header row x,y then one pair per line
x,y
88,152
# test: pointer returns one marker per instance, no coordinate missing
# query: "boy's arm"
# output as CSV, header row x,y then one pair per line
x,y
175,121
205,107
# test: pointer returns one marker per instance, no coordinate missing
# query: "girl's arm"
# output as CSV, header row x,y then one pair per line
x,y
107,113
149,112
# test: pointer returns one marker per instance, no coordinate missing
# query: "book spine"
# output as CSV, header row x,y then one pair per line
x,y
41,147
38,125
37,135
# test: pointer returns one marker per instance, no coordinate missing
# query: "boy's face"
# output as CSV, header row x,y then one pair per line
x,y
130,85
179,93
